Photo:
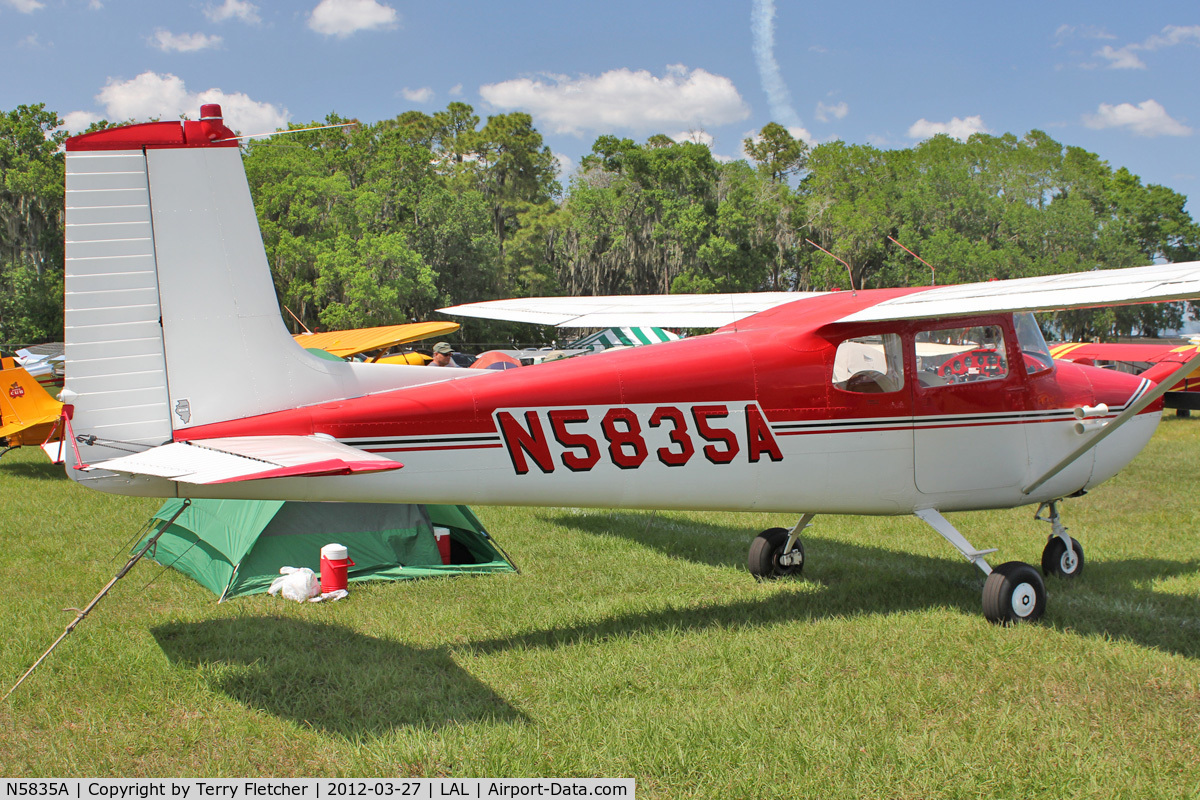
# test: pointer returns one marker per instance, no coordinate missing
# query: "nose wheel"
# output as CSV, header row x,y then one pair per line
x,y
1061,561
1063,556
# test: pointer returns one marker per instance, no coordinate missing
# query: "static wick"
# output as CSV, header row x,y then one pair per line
x,y
292,130
932,271
849,273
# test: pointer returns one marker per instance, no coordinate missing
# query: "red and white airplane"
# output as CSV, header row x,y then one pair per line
x,y
183,381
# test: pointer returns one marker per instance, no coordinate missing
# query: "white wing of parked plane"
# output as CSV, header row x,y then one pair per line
x,y
1097,288
662,310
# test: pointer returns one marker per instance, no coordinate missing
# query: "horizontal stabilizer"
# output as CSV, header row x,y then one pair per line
x,y
247,458
662,310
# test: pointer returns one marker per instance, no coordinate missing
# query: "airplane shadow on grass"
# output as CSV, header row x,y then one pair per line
x,y
42,471
331,678
1107,600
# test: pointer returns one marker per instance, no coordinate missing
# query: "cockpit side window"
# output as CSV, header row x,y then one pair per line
x,y
1033,345
961,355
869,364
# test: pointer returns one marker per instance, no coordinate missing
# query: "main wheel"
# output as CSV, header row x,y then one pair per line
x,y
1057,560
1014,592
766,551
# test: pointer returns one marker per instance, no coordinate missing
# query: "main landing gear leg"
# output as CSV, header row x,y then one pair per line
x,y
1013,592
1063,555
778,552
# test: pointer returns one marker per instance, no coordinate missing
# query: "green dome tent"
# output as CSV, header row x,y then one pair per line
x,y
236,547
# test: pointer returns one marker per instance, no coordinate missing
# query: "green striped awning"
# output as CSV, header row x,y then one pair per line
x,y
623,337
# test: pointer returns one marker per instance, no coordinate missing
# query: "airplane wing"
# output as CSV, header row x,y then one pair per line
x,y
1134,352
662,310
363,340
245,458
1098,288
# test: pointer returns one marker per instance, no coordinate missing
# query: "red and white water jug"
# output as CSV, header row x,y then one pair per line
x,y
335,560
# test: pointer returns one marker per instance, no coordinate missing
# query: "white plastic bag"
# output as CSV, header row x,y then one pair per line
x,y
297,584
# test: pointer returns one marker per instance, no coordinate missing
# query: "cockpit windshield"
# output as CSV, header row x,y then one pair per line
x,y
1033,345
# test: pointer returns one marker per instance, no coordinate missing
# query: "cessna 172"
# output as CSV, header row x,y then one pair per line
x,y
898,401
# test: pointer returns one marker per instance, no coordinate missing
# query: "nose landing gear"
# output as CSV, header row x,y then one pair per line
x,y
1063,556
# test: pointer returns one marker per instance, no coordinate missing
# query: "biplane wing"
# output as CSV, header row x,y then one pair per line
x,y
364,340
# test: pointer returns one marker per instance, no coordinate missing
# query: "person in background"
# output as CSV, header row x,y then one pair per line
x,y
441,355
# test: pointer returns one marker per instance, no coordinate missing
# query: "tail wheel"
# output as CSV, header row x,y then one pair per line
x,y
767,559
1014,592
1057,560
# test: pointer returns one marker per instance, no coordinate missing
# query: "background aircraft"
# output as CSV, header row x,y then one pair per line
x,y
28,414
898,401
1150,360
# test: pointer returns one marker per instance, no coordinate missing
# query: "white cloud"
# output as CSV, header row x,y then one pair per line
x,y
1148,118
183,42
233,9
623,98
957,128
77,121
343,17
695,136
151,95
1127,57
456,90
422,95
566,165
835,111
1082,32
25,6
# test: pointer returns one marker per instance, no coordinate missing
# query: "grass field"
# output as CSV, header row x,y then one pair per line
x,y
632,645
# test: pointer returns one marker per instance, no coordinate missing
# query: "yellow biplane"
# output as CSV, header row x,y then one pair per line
x,y
28,414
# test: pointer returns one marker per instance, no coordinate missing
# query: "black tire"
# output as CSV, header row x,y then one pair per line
x,y
1055,561
1013,593
765,551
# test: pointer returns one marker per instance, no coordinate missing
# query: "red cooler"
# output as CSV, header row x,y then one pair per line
x,y
335,560
442,535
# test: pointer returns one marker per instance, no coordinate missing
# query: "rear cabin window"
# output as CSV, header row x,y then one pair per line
x,y
870,364
961,355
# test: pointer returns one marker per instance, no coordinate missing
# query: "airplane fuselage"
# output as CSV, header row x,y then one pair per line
x,y
749,418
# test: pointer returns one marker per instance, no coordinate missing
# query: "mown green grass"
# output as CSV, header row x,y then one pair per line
x,y
632,644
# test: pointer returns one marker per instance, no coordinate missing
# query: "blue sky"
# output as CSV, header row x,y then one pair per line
x,y
1110,77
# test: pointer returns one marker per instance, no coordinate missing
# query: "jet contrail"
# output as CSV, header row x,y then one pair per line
x,y
762,26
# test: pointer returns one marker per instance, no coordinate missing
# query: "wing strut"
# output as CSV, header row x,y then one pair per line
x,y
1126,415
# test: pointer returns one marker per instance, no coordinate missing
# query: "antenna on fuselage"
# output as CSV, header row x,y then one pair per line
x,y
849,273
932,271
290,130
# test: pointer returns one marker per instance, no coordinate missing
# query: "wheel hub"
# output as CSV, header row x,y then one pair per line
x,y
1068,562
1024,600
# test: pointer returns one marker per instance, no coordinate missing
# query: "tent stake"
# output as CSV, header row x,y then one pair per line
x,y
81,614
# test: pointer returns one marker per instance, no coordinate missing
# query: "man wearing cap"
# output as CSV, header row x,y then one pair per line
x,y
441,355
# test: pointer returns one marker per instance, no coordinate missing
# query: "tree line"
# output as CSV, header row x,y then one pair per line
x,y
373,224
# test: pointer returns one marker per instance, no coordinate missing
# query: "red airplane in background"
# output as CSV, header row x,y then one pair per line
x,y
886,402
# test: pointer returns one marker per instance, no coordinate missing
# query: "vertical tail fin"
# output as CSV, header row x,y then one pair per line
x,y
171,315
